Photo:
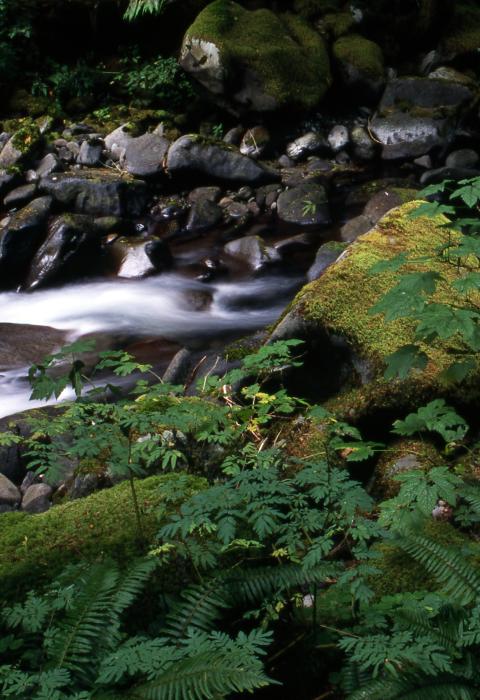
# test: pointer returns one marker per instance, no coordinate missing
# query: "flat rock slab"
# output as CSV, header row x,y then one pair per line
x,y
21,345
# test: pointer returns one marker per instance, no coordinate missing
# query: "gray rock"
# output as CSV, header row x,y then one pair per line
x,y
83,485
405,136
252,250
255,142
137,258
66,253
20,196
37,498
304,205
382,202
145,155
425,93
234,136
48,165
326,255
355,228
19,240
193,154
97,192
116,142
9,494
440,174
90,153
294,243
305,145
23,344
424,162
364,147
19,148
213,194
203,216
338,138
30,478
463,158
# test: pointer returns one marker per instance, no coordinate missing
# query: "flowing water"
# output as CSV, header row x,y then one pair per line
x,y
168,306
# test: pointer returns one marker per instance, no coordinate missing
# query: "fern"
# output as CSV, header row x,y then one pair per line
x,y
416,687
458,579
137,8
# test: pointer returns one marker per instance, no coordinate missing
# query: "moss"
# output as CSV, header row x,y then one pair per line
x,y
241,348
309,9
288,56
26,137
400,573
463,34
34,548
403,455
364,55
338,304
25,104
337,24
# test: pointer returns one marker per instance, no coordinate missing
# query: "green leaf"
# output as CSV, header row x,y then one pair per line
x,y
403,360
436,416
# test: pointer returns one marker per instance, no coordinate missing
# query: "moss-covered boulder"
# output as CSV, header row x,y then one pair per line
x,y
335,311
263,61
463,33
401,457
360,62
35,548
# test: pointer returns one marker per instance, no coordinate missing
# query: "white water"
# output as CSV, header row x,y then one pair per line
x,y
155,307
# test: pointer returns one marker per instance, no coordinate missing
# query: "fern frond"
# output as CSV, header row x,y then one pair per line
x,y
458,579
199,607
416,688
443,629
137,8
214,666
256,584
353,676
91,624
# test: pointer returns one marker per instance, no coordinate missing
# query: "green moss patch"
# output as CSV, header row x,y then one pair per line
x,y
34,548
364,55
463,34
287,56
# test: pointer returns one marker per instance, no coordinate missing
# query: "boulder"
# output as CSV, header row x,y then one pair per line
x,y
20,146
260,59
416,114
361,66
355,227
304,205
193,154
48,165
10,496
253,251
462,158
338,138
116,142
22,344
364,148
139,257
20,196
90,153
203,216
255,142
326,255
145,155
335,309
97,192
66,253
305,145
37,498
19,240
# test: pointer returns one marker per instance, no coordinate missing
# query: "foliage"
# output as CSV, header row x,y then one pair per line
x,y
138,8
443,310
71,644
15,36
160,81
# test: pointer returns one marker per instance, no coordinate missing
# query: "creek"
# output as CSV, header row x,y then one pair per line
x,y
170,307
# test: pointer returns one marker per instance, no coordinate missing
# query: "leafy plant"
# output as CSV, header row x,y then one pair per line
x,y
456,320
160,81
138,8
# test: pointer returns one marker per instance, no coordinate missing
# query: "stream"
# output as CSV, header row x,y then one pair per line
x,y
169,306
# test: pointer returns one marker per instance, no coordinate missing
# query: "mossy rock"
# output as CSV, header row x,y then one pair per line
x,y
35,548
336,24
400,457
261,60
336,308
361,65
400,573
310,9
463,33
